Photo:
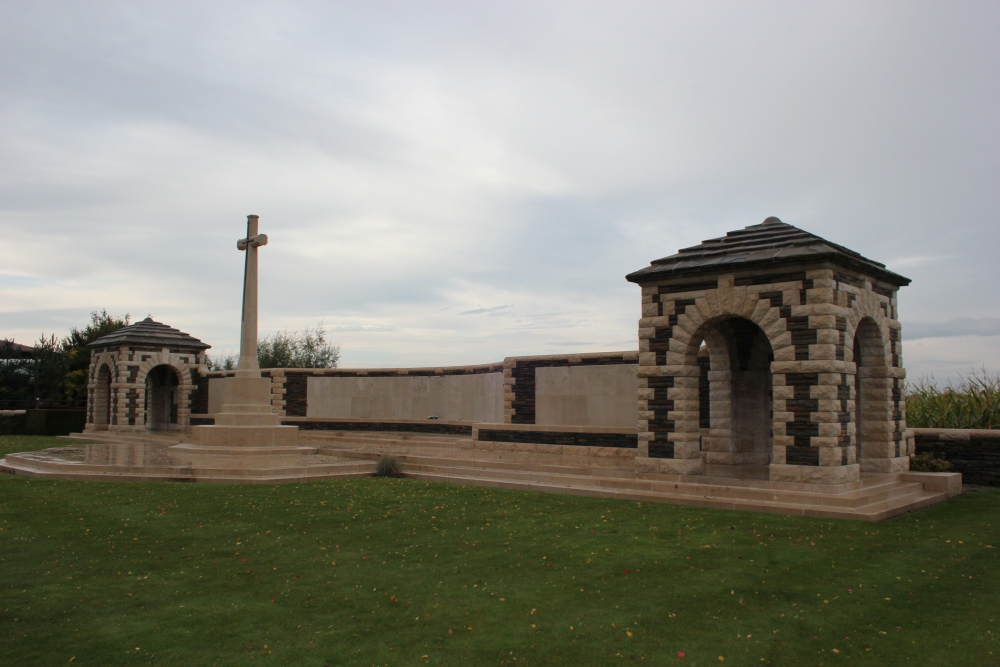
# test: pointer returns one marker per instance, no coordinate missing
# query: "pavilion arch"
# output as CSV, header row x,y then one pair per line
x,y
162,397
736,435
102,398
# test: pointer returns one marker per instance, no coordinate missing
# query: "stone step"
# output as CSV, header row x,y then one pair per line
x,y
874,512
879,493
311,470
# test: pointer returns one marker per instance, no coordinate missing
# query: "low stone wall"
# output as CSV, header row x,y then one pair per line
x,y
567,436
974,453
12,422
426,427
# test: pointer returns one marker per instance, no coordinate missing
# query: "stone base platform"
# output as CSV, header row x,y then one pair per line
x,y
162,458
454,459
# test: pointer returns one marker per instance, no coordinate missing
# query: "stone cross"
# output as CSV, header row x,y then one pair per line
x,y
248,366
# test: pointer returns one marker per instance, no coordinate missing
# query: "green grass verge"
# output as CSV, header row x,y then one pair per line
x,y
400,572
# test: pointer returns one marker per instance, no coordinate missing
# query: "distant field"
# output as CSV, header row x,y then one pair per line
x,y
381,571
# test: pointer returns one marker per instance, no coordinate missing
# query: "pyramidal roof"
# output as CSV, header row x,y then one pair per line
x,y
771,243
148,332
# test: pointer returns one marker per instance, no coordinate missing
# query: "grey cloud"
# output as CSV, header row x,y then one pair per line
x,y
959,326
410,161
483,311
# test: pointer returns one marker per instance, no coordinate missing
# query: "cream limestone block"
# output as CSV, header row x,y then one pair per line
x,y
650,310
822,352
784,354
782,340
819,295
821,309
689,322
886,466
647,358
647,465
711,443
676,358
650,290
681,336
828,337
829,430
814,474
828,406
681,347
764,314
643,346
646,436
825,366
687,450
685,423
828,392
646,414
647,332
774,328
823,283
680,370
779,429
684,436
739,300
661,322
778,455
822,321
831,379
648,371
690,404
682,466
683,393
646,394
830,456
750,302
824,441
725,294
780,415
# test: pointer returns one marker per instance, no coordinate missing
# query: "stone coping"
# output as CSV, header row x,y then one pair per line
x,y
364,420
556,428
628,356
494,367
957,433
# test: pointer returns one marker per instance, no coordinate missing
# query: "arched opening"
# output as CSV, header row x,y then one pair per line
x,y
102,398
161,397
735,399
872,411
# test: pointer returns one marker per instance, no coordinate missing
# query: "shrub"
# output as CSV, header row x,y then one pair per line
x,y
927,462
974,402
287,349
388,466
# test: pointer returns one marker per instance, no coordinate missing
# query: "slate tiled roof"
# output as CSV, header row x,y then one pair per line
x,y
771,243
148,332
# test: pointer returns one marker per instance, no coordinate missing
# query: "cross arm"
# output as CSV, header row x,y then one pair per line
x,y
253,241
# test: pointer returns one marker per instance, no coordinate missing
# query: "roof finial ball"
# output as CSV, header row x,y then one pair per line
x,y
772,220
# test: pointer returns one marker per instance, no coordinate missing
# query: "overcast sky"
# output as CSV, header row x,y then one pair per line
x,y
451,183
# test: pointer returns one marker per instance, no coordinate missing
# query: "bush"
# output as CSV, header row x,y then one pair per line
x,y
284,349
927,462
972,403
388,466
54,422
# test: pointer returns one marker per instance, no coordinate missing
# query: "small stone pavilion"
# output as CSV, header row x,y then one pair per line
x,y
143,376
770,354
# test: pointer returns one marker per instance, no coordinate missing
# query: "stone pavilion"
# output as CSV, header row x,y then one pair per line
x,y
804,373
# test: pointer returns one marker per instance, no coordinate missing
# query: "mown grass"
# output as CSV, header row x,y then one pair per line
x,y
972,402
400,572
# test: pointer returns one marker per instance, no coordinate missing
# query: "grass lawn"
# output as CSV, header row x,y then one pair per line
x,y
401,572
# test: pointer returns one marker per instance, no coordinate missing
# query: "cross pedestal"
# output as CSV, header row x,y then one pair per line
x,y
247,419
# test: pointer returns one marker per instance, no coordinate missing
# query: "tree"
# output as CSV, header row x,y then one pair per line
x,y
17,371
74,346
284,349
